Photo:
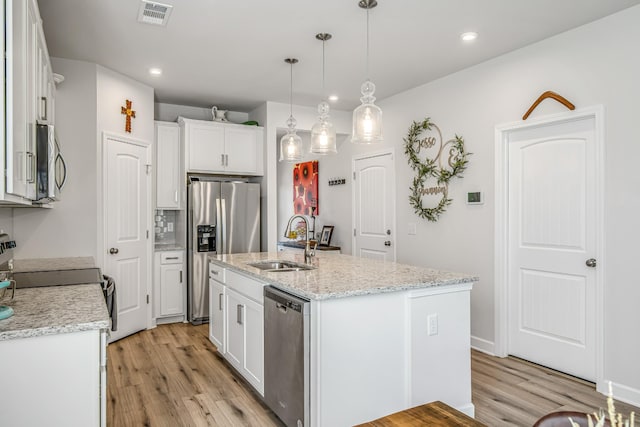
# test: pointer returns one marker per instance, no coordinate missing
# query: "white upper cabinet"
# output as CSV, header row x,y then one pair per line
x,y
29,97
214,147
168,166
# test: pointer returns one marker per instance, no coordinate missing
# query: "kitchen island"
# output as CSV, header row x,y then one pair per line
x,y
53,353
383,336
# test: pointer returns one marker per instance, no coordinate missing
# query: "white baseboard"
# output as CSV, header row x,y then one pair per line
x,y
469,410
483,345
621,392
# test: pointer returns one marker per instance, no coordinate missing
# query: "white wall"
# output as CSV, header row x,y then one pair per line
x,y
87,103
170,113
68,229
6,221
594,64
279,205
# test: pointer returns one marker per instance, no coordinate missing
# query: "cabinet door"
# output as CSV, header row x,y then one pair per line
x,y
171,289
235,307
32,95
241,149
216,315
205,147
253,367
167,166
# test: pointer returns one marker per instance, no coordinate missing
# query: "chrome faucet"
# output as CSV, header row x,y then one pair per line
x,y
308,252
287,230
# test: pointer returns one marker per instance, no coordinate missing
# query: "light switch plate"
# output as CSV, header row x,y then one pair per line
x,y
411,229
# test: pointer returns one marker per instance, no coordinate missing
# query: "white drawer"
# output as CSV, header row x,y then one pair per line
x,y
247,286
217,272
171,257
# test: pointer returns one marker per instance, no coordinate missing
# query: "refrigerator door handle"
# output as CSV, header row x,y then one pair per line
x,y
224,226
218,228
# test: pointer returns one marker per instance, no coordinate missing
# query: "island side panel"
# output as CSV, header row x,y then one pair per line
x,y
359,363
441,357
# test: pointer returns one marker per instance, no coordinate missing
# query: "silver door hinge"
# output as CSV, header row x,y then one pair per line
x,y
147,234
354,232
147,298
148,169
354,176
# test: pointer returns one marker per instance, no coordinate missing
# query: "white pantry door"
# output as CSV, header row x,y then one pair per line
x,y
374,208
552,237
127,223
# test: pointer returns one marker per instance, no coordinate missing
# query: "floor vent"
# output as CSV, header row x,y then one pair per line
x,y
154,13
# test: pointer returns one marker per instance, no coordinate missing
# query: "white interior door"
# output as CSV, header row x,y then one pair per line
x,y
127,223
552,235
374,207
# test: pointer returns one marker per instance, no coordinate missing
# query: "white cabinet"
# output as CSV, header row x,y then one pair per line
x,y
214,147
29,98
55,380
217,321
237,323
168,166
170,286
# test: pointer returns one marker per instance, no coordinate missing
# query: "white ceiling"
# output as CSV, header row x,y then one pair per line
x,y
230,53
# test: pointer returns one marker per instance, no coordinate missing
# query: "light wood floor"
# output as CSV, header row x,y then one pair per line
x,y
172,376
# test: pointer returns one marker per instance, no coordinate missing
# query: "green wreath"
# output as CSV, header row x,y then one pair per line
x,y
429,168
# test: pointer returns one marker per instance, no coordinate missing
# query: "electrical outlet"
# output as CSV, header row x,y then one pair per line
x,y
432,324
170,227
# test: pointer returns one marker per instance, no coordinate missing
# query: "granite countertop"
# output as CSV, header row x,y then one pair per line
x,y
164,247
54,310
52,264
340,275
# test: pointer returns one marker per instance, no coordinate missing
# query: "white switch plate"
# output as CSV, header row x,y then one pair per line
x,y
170,227
411,229
432,324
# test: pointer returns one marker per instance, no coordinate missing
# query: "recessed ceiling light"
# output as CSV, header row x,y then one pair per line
x,y
469,36
333,98
155,71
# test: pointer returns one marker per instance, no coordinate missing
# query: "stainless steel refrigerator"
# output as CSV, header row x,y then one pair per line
x,y
224,218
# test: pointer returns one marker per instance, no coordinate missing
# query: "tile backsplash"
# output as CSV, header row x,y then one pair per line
x,y
165,226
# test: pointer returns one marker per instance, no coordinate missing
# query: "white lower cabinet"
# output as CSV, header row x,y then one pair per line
x,y
170,285
217,293
245,342
54,380
237,322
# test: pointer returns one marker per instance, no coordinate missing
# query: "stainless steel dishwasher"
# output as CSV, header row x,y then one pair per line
x,y
286,356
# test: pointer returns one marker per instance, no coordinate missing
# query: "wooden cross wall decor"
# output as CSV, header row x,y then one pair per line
x,y
129,113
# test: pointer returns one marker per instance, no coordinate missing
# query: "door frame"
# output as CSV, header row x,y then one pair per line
x,y
363,156
102,191
501,225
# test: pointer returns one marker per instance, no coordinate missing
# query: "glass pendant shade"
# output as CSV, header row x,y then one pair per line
x,y
323,134
367,118
291,144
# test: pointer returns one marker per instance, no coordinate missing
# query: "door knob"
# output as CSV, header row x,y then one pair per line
x,y
113,251
591,262
387,243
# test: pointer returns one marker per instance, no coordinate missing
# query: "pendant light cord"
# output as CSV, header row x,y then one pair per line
x,y
368,77
291,89
323,92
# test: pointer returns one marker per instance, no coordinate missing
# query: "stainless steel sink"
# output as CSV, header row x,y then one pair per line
x,y
280,266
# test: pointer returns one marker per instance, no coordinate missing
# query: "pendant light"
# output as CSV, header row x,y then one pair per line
x,y
367,118
323,134
291,144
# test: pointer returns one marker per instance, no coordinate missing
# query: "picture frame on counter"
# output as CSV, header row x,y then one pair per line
x,y
325,236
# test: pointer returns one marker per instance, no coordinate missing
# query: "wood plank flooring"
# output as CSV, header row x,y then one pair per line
x,y
173,376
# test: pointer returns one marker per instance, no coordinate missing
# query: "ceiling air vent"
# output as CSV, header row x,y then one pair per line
x,y
154,13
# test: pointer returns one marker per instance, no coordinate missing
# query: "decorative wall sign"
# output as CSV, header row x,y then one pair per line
x,y
305,188
129,112
425,156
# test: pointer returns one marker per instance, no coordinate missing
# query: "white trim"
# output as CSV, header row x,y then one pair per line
x,y
482,345
392,197
621,392
101,191
468,409
501,225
